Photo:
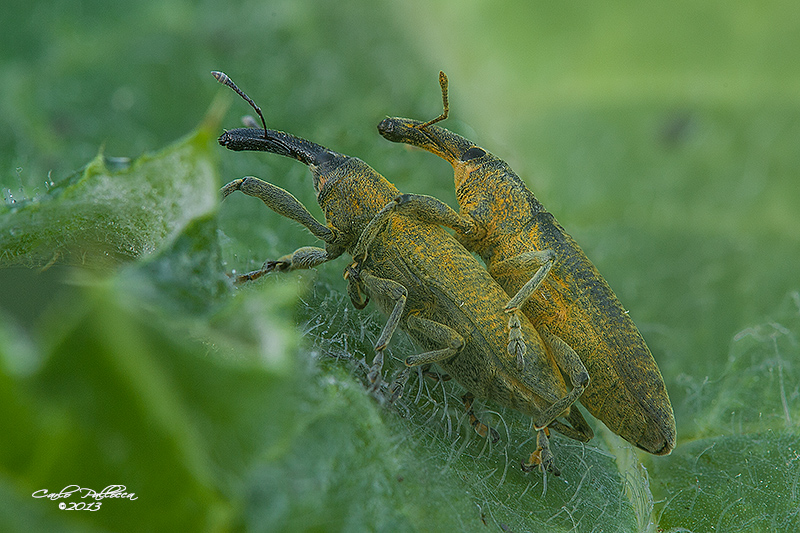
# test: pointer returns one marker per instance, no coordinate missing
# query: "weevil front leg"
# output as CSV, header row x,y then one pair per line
x,y
539,260
282,202
434,211
419,207
302,258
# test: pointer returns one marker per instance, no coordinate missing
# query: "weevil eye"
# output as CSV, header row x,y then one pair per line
x,y
473,153
323,157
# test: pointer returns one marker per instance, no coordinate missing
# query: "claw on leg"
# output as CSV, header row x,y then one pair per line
x,y
542,456
374,374
396,390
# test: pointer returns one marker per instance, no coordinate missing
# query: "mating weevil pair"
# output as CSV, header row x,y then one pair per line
x,y
425,281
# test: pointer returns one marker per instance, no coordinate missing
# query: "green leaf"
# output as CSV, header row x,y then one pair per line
x,y
739,463
105,214
662,138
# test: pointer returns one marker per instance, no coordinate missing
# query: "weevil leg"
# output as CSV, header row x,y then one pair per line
x,y
384,289
480,428
399,384
439,334
374,227
282,202
305,257
541,260
566,358
435,376
570,363
542,457
434,211
422,208
516,340
555,410
578,430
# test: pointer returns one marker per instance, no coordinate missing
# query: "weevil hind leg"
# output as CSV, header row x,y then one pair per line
x,y
480,428
543,456
569,362
578,429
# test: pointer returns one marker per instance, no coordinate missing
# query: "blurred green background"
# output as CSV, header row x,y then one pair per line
x,y
664,138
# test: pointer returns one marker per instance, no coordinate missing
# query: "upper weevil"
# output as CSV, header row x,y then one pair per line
x,y
528,252
425,282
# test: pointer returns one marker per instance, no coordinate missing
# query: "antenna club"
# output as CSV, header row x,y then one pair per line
x,y
221,77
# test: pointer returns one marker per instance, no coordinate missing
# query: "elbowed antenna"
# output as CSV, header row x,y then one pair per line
x,y
273,141
445,102
226,80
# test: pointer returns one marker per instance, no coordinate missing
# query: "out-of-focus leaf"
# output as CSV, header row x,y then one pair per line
x,y
103,215
121,400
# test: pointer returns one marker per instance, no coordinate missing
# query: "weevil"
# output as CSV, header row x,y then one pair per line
x,y
548,277
427,284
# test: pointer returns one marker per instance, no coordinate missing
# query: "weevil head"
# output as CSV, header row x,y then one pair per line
x,y
465,156
487,189
440,141
348,190
322,162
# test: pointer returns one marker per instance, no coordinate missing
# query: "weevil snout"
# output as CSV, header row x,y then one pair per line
x,y
386,128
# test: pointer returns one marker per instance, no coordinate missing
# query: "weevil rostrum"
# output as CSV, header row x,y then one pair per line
x,y
424,281
549,277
